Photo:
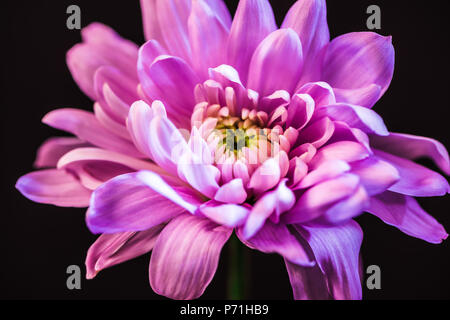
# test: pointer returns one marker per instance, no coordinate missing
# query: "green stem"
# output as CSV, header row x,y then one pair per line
x,y
238,264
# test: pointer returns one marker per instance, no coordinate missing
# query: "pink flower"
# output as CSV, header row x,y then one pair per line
x,y
235,126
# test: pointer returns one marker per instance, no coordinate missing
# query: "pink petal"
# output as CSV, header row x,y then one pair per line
x,y
85,126
56,187
277,63
376,175
232,192
207,35
308,283
101,47
357,60
152,29
109,123
54,148
309,19
405,213
275,202
185,257
300,111
321,92
136,202
111,249
366,96
415,180
317,133
229,215
413,147
172,17
347,151
328,170
337,253
266,176
253,21
276,238
171,80
318,199
357,117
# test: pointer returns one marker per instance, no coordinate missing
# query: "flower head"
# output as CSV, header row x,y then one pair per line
x,y
235,126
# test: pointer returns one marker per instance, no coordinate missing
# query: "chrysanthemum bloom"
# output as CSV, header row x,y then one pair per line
x,y
215,126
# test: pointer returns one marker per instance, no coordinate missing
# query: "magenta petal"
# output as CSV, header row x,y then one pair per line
x,y
321,92
300,111
317,133
85,126
111,249
415,180
135,202
336,251
54,148
328,170
229,215
276,238
172,17
207,35
309,19
376,175
56,187
366,97
318,199
413,147
359,117
308,283
405,213
277,63
266,176
253,21
185,257
360,59
275,202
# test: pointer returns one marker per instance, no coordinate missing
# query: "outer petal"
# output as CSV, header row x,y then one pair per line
x,y
309,19
308,283
415,180
357,60
277,63
357,117
185,257
101,47
126,203
276,238
366,96
152,29
54,148
413,147
253,21
337,253
406,214
85,126
207,35
56,187
111,249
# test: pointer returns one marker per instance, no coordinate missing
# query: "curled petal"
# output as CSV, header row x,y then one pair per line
x,y
276,238
328,170
317,133
320,92
111,249
266,176
53,186
232,192
405,213
185,257
415,180
413,147
347,151
300,111
229,215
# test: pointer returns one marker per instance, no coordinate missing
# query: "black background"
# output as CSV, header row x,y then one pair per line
x,y
38,242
